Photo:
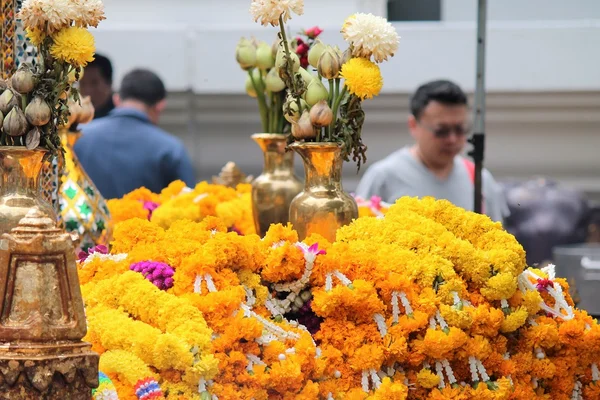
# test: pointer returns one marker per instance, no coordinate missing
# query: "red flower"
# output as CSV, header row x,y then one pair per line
x,y
543,284
313,32
304,61
302,49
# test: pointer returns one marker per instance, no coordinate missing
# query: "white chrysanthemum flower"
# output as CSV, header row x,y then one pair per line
x,y
89,13
370,35
48,16
269,11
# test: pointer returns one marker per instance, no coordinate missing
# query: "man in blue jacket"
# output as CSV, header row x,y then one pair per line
x,y
127,150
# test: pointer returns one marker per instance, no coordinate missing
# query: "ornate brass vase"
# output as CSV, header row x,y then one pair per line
x,y
20,190
323,206
274,189
83,210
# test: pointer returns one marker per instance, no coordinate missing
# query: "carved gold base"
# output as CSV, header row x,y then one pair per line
x,y
57,371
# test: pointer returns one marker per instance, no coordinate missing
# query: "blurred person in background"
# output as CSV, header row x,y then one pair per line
x,y
433,166
127,150
97,83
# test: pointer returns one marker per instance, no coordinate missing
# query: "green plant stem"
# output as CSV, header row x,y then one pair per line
x,y
336,106
290,70
279,119
262,104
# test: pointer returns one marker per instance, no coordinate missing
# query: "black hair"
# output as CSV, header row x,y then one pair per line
x,y
142,85
104,66
442,91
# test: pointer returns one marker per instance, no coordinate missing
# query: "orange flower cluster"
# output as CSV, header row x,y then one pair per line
x,y
177,202
428,301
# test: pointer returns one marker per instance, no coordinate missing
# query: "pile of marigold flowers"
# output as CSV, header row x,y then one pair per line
x,y
423,301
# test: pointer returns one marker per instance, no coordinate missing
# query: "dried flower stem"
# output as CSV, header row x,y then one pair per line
x,y
287,53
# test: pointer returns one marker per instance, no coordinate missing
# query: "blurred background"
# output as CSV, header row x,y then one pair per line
x,y
543,76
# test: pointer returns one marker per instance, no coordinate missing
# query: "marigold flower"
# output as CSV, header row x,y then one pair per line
x,y
74,45
362,78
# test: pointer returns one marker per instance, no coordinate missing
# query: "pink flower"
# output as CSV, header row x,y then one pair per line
x,y
376,202
150,206
543,284
98,249
302,49
313,32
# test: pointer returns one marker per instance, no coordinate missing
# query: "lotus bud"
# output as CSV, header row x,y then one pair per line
x,y
38,112
303,129
273,82
315,53
1,118
15,123
290,109
307,77
280,60
320,114
87,112
316,92
23,81
346,56
250,86
329,64
245,54
264,58
275,47
74,111
8,99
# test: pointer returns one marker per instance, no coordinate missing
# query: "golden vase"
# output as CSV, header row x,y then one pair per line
x,y
83,210
276,187
323,207
20,189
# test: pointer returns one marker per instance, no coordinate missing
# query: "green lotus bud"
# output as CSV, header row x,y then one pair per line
x,y
290,109
250,89
316,92
273,82
320,114
15,123
38,112
8,99
315,53
329,64
23,81
280,62
264,58
307,77
245,54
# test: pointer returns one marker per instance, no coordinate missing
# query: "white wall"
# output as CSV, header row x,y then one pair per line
x,y
191,44
519,10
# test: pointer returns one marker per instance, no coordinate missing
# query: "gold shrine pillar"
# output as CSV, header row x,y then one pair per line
x,y
42,319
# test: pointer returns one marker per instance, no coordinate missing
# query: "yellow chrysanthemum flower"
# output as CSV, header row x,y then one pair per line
x,y
36,36
74,45
362,78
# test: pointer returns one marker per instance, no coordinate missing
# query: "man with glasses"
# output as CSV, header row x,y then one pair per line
x,y
433,166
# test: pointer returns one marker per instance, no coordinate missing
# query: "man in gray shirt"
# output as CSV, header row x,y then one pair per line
x,y
433,165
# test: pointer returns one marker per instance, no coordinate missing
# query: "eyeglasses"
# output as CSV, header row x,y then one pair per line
x,y
444,131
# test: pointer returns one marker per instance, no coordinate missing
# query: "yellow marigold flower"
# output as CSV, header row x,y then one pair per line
x,y
515,320
362,78
501,286
427,379
74,45
35,35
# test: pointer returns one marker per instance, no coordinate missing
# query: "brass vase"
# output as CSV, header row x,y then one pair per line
x,y
323,207
276,187
83,210
20,189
